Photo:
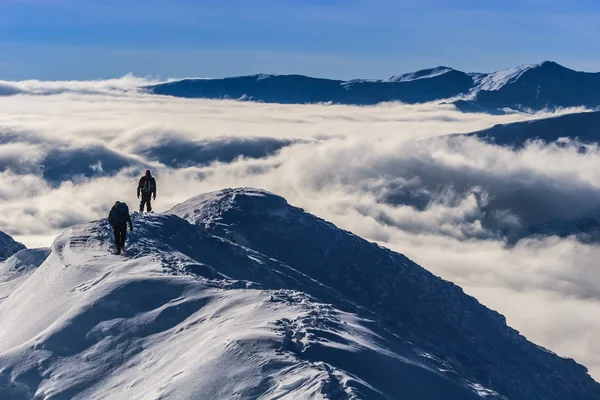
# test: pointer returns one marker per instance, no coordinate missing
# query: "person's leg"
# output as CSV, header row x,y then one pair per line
x,y
123,236
117,233
149,202
145,201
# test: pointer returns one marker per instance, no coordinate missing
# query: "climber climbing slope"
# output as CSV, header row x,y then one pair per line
x,y
118,219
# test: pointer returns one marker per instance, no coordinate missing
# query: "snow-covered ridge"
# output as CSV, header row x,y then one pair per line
x,y
237,294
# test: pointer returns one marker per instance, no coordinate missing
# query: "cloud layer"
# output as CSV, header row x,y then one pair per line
x,y
68,150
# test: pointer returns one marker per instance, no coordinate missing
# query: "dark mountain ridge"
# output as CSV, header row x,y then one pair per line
x,y
547,85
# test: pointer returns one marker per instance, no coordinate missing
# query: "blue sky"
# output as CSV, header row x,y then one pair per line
x,y
87,39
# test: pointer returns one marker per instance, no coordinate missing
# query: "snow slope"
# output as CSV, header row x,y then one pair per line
x,y
236,294
496,80
18,267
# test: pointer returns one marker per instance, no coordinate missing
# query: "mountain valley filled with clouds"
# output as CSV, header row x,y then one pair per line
x,y
468,208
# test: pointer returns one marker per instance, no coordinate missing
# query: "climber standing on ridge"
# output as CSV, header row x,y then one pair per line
x,y
147,188
118,219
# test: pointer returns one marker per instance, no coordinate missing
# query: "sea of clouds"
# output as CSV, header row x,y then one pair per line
x,y
388,173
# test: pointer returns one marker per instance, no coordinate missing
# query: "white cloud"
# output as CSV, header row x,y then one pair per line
x,y
128,84
382,172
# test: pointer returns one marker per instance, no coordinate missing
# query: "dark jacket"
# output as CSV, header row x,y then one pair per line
x,y
147,185
119,216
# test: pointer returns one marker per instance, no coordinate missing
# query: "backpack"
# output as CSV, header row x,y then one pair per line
x,y
120,216
147,186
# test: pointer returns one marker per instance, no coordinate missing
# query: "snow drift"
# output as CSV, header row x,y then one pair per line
x,y
237,294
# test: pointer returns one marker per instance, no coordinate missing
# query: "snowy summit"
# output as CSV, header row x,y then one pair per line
x,y
237,294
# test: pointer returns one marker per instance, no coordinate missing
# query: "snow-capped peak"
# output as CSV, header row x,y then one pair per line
x,y
210,207
422,74
498,79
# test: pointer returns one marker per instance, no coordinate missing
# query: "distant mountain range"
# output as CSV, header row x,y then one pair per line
x,y
547,85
